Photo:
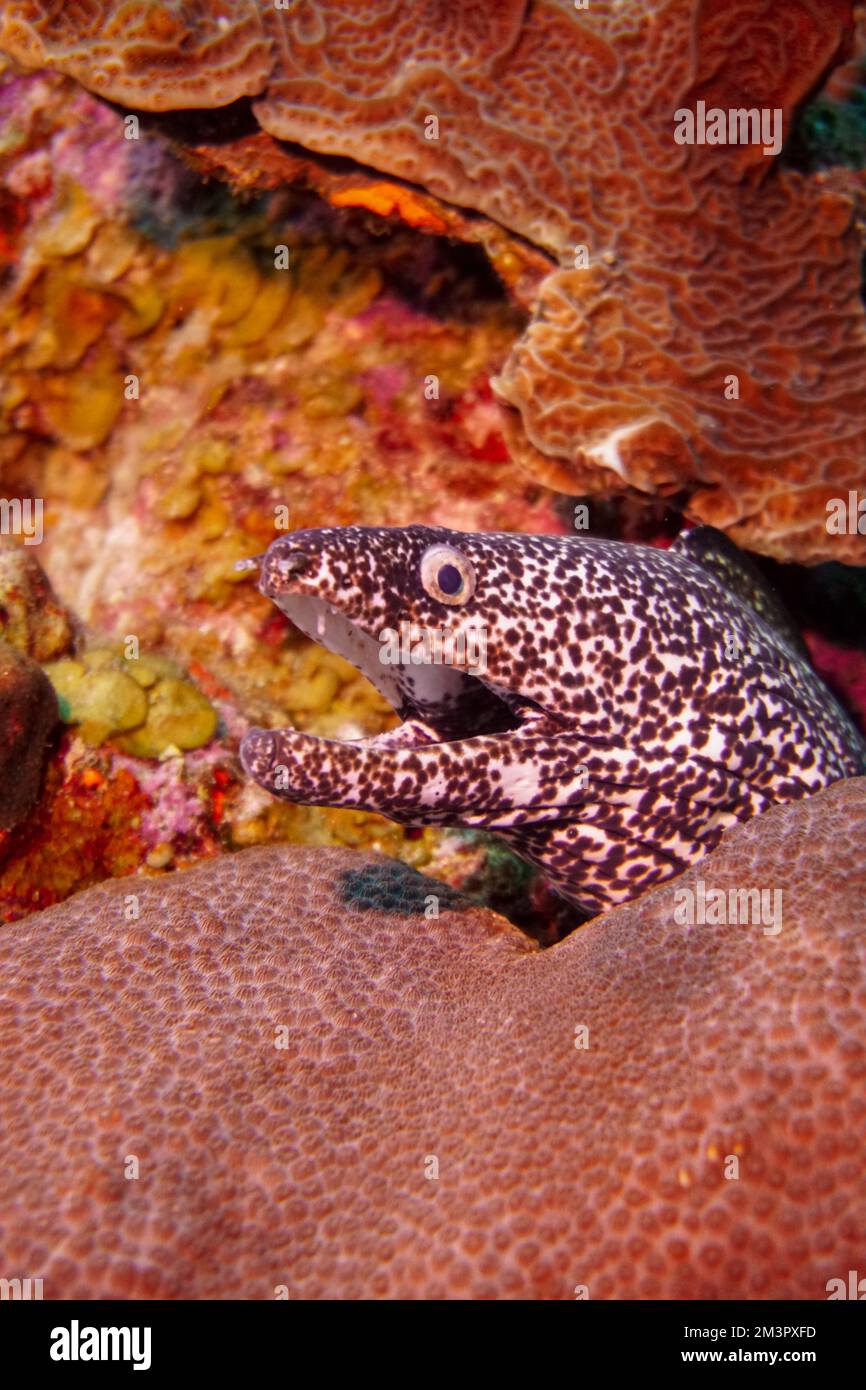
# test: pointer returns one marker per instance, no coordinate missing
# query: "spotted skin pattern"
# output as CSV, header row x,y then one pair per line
x,y
631,708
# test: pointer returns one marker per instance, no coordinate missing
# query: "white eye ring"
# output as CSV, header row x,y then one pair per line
x,y
447,575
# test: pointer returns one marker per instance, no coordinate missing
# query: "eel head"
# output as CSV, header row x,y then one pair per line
x,y
440,628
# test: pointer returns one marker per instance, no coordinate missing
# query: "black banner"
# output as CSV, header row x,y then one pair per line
x,y
82,1339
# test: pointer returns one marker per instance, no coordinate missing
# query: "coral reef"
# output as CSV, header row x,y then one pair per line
x,y
703,335
172,398
96,817
324,1087
86,827
292,296
257,390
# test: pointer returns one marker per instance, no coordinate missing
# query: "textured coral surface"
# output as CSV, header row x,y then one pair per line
x,y
281,1043
702,263
173,53
700,267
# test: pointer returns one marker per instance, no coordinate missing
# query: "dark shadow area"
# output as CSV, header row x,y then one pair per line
x,y
829,598
395,887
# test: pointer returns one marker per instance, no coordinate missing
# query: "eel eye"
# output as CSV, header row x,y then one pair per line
x,y
447,575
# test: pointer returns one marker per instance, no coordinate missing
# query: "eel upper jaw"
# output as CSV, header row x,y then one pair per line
x,y
437,704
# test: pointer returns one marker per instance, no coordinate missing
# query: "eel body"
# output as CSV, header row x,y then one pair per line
x,y
609,709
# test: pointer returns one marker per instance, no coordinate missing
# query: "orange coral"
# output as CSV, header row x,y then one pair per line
x,y
387,198
704,333
86,828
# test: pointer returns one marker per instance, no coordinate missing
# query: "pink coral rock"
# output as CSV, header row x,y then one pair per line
x,y
281,1072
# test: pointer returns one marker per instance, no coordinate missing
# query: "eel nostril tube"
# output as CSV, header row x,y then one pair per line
x,y
275,569
287,566
246,566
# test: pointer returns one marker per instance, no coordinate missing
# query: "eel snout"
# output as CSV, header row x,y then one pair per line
x,y
280,566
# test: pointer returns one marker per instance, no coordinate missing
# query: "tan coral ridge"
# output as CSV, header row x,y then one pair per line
x,y
329,1092
705,263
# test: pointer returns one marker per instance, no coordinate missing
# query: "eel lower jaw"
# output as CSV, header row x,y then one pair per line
x,y
411,733
415,732
272,756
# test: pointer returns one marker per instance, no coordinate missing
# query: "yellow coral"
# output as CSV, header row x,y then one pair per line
x,y
102,701
82,406
71,228
178,717
146,699
270,305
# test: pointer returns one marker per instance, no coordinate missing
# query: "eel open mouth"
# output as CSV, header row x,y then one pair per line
x,y
436,702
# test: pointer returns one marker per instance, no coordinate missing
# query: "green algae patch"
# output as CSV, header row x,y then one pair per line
x,y
145,704
178,716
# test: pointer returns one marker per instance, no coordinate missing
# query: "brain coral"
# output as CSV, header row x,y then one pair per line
x,y
703,334
276,1072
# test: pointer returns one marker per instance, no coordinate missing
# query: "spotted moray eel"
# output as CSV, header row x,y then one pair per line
x,y
632,704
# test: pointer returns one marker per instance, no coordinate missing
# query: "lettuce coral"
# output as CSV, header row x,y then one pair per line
x,y
703,335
